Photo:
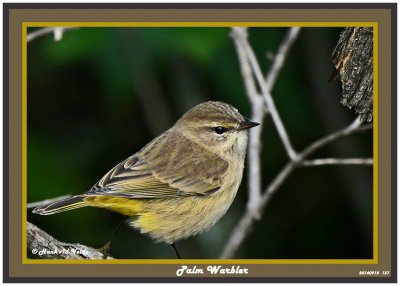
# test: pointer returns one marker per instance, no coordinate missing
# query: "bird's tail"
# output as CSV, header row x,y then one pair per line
x,y
61,206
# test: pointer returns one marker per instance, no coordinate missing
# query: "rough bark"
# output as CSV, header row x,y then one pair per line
x,y
353,60
43,246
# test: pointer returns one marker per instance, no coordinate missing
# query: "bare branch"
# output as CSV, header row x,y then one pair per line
x,y
254,156
57,31
337,161
43,246
242,230
45,202
242,40
239,33
281,56
355,126
258,112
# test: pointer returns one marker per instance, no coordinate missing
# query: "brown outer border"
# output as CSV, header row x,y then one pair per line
x,y
14,14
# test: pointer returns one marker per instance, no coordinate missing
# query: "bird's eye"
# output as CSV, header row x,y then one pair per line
x,y
219,130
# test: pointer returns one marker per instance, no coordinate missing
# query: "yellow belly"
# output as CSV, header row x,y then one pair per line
x,y
171,219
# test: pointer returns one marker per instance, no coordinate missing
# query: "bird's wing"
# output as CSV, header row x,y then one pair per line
x,y
132,179
164,174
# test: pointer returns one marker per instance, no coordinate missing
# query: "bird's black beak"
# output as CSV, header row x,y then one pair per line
x,y
246,125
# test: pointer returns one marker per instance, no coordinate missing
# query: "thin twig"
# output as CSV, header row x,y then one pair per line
x,y
281,56
57,31
337,161
354,126
245,68
45,202
242,230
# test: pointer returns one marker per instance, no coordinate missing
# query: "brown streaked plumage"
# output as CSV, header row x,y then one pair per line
x,y
179,184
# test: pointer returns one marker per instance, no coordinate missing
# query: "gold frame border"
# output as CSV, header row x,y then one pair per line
x,y
25,25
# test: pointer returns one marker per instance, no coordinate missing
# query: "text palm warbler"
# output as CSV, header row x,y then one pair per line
x,y
179,184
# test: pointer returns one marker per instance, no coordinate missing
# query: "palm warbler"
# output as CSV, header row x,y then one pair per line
x,y
179,184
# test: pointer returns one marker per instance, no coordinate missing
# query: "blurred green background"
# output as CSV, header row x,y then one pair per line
x,y
100,94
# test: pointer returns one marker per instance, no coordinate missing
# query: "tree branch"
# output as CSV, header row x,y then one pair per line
x,y
337,161
353,60
281,56
43,246
57,31
257,115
